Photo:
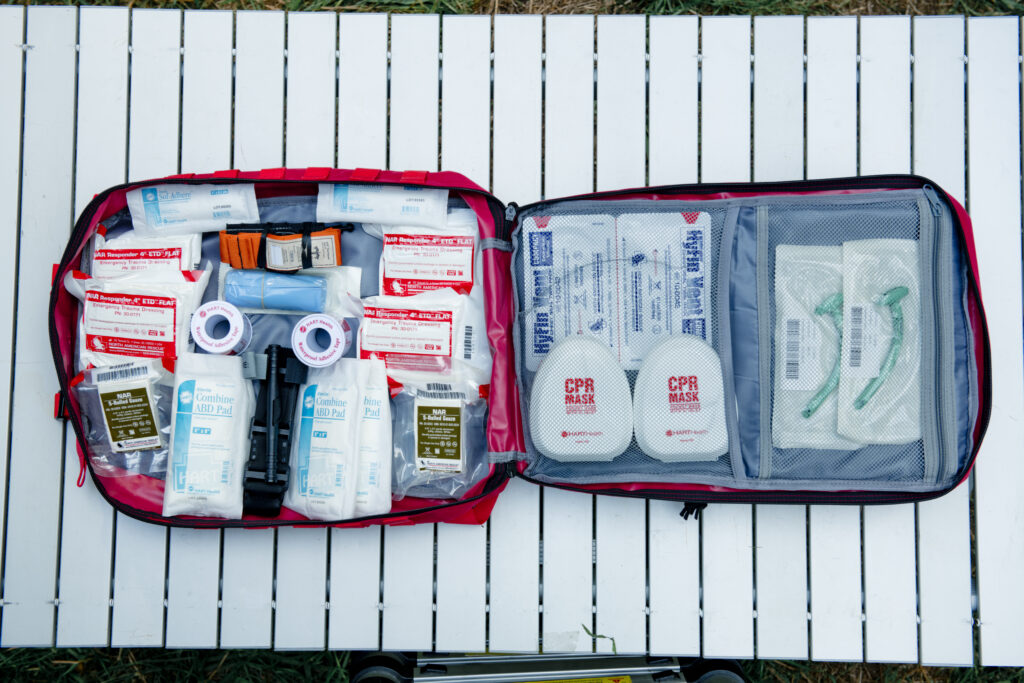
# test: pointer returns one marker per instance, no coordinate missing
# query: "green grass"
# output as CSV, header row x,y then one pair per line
x,y
703,7
20,665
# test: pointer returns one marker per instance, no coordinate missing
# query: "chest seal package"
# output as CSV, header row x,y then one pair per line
x,y
804,342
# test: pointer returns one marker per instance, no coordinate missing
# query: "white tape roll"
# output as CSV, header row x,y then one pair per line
x,y
319,340
220,328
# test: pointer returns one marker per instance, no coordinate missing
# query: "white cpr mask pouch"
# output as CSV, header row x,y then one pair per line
x,y
580,405
679,402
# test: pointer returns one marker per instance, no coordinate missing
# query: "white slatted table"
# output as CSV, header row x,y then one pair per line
x,y
93,96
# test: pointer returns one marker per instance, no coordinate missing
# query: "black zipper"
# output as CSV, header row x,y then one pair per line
x,y
81,227
880,182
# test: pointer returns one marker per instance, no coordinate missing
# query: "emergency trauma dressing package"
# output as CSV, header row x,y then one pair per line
x,y
803,342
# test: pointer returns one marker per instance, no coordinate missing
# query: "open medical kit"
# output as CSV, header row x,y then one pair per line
x,y
332,347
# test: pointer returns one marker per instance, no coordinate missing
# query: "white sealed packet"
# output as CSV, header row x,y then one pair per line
x,y
381,204
373,480
131,254
135,315
176,209
212,410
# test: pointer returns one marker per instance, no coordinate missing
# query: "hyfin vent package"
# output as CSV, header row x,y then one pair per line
x,y
802,342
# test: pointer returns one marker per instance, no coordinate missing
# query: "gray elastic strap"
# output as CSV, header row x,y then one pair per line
x,y
495,243
505,456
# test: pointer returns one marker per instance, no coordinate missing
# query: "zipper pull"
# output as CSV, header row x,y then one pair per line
x,y
692,510
511,470
933,200
510,212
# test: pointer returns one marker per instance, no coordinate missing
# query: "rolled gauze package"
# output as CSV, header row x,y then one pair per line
x,y
319,340
679,402
261,289
220,328
580,406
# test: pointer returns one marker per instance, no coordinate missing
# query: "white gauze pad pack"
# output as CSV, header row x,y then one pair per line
x,y
580,405
184,209
881,303
325,455
679,402
381,204
807,278
210,419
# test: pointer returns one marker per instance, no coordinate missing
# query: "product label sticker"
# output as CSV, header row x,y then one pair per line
x,y
798,359
569,281
663,280
412,264
326,423
203,438
130,324
128,414
406,338
865,340
173,205
439,437
114,262
323,251
284,253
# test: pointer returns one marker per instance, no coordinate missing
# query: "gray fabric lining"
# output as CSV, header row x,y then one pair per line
x,y
725,342
929,419
765,282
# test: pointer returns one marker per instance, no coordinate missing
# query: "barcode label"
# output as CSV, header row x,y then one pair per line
x,y
467,343
793,350
856,335
225,471
442,390
798,353
121,373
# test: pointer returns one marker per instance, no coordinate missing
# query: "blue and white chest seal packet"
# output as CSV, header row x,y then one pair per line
x,y
186,209
630,281
382,204
212,409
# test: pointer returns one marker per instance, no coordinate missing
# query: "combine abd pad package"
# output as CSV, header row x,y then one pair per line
x,y
806,342
209,437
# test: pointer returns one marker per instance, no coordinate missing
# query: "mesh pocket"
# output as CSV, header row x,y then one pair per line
x,y
805,265
631,274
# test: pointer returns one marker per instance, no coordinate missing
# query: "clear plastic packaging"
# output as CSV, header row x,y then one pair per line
x,y
126,414
136,315
808,320
440,440
212,412
381,204
880,379
181,209
325,454
260,290
340,292
373,480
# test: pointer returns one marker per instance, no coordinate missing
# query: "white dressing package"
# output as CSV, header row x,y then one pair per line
x,y
131,254
213,405
136,315
187,209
